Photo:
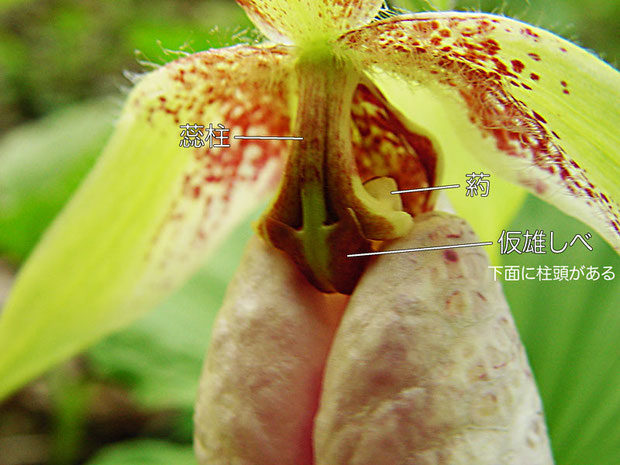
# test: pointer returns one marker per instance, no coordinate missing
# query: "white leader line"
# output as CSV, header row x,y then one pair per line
x,y
421,249
422,189
268,137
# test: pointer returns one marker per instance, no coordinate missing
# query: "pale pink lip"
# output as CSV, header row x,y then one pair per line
x,y
424,366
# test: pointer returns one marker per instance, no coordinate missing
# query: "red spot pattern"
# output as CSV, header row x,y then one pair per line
x,y
238,88
538,117
472,61
382,146
528,32
451,255
517,65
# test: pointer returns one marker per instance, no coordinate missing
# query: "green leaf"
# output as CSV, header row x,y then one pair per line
x,y
41,165
145,452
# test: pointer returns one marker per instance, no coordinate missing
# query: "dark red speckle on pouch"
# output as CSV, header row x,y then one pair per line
x,y
451,255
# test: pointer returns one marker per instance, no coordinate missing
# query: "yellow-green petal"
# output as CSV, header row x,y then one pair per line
x,y
529,105
151,210
303,21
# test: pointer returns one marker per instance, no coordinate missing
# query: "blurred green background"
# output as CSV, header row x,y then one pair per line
x,y
129,399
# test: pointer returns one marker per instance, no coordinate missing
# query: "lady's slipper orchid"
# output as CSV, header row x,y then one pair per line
x,y
379,104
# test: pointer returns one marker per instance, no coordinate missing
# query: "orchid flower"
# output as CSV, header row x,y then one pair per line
x,y
405,102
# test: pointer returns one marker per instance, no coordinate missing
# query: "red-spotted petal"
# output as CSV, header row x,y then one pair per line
x,y
533,107
151,210
301,21
384,147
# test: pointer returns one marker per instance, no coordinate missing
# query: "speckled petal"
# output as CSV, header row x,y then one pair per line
x,y
530,105
151,210
307,20
384,147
